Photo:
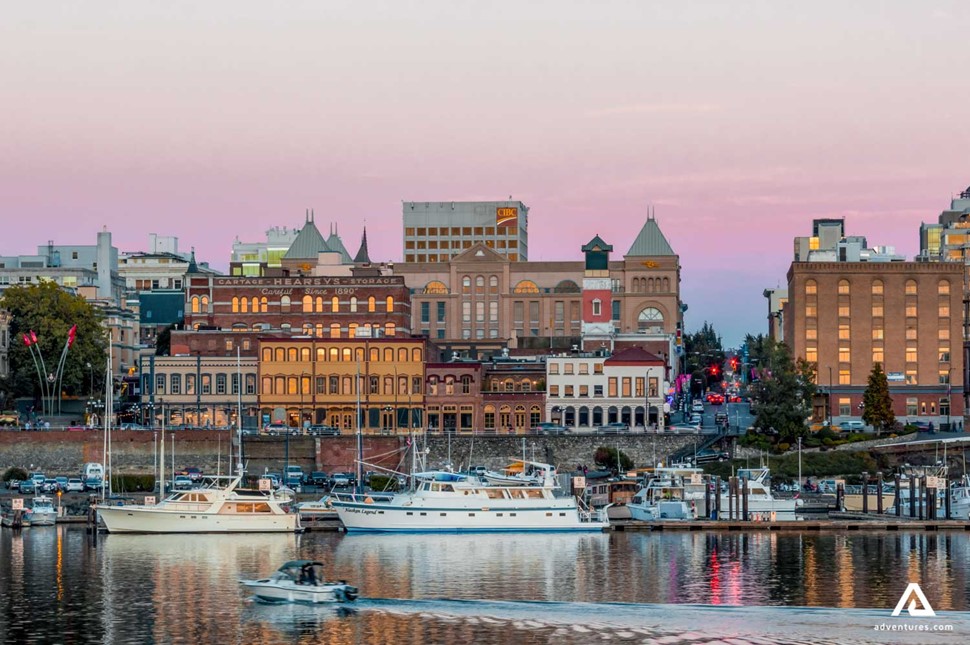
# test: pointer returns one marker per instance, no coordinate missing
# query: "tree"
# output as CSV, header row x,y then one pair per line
x,y
784,392
49,312
163,342
878,404
606,458
704,354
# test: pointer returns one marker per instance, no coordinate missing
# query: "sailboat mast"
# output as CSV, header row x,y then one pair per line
x,y
238,414
360,439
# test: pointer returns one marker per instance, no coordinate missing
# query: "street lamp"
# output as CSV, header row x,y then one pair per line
x,y
799,463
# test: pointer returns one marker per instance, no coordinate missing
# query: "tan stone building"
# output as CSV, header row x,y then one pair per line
x,y
846,316
480,298
321,381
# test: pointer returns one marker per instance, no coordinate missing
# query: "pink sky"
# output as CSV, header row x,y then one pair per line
x,y
738,122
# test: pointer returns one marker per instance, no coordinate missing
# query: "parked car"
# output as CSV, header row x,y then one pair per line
x,y
13,484
49,486
340,480
478,471
550,429
615,428
28,487
61,483
193,473
276,479
853,426
319,478
38,478
275,429
75,485
709,455
133,426
294,477
182,482
93,483
323,431
684,429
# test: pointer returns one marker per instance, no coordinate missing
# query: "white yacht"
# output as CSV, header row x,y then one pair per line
x,y
450,502
960,499
301,581
671,493
42,512
762,504
216,505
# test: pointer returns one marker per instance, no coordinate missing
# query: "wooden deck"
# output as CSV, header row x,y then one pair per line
x,y
821,524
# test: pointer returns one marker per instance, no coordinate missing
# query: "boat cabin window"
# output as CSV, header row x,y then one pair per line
x,y
495,493
258,507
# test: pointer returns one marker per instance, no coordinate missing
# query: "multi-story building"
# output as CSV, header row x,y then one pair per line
x,y
777,304
304,381
256,259
198,391
587,390
480,301
454,396
436,232
514,397
907,316
829,243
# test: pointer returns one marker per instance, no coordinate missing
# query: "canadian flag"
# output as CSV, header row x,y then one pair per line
x,y
71,335
26,340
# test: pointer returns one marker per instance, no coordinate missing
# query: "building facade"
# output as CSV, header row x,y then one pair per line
x,y
589,390
309,381
907,316
198,391
435,232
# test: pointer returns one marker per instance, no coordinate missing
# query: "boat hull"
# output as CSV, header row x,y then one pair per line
x,y
385,518
142,519
272,591
42,519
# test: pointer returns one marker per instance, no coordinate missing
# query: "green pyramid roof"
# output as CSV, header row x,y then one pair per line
x,y
650,242
337,246
308,243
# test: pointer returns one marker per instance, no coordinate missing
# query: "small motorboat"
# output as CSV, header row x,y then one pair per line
x,y
42,512
301,581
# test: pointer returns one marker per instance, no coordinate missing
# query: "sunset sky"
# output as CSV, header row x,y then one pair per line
x,y
739,122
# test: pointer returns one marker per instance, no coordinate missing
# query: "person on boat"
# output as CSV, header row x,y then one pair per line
x,y
307,575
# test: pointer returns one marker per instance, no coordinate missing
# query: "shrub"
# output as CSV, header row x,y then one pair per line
x,y
606,458
784,447
132,483
382,483
14,472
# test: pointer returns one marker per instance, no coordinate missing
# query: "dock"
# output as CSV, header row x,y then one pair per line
x,y
835,523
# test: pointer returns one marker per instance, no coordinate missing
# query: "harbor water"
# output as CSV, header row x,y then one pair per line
x,y
57,586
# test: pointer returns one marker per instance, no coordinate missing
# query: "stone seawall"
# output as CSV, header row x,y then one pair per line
x,y
63,453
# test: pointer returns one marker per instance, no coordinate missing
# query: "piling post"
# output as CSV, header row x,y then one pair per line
x,y
912,496
946,503
707,498
879,508
931,503
899,498
840,496
865,492
717,497
744,499
922,497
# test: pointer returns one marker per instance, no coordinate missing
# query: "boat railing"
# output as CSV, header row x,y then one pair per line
x,y
362,498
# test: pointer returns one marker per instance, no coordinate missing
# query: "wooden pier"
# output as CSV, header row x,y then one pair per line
x,y
834,523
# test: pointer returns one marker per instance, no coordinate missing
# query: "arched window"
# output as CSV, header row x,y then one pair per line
x,y
334,354
910,288
335,304
372,304
307,303
651,321
877,287
319,303
466,285
321,354
402,355
244,305
267,354
353,304
352,330
435,286
280,355
305,354
291,354
263,304
279,385
666,285
375,355
390,304
567,286
285,304
479,285
416,355
205,304
489,417
390,329
235,304
359,354
388,355
943,288
493,284
195,304
843,287
318,330
307,329
334,330
346,355
526,286
266,385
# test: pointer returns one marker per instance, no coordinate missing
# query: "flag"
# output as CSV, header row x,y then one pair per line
x,y
33,337
71,335
409,442
26,340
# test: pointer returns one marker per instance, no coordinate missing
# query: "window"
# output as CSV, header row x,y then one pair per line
x,y
553,390
944,376
912,406
811,354
597,307
612,387
845,407
569,391
553,368
911,287
944,309
190,383
811,287
567,368
598,390
160,384
811,334
584,368
943,288
845,355
638,387
911,377
206,384
877,334
843,287
250,384
525,286
235,304
844,331
877,311
176,383
425,312
911,356
441,312
583,390
389,302
372,304
597,368
911,310
844,311
877,287
353,304
220,383
285,304
845,377
911,332
944,333
811,310
878,356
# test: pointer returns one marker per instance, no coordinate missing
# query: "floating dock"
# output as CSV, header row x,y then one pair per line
x,y
821,524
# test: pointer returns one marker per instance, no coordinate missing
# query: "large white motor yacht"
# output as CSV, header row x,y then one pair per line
x,y
216,505
450,502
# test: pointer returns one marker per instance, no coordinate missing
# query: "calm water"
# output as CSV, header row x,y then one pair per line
x,y
547,588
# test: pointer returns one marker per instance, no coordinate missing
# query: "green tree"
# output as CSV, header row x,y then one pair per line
x,y
49,312
163,342
606,458
783,393
878,404
704,352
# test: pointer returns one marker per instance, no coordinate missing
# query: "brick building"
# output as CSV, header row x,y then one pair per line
x,y
321,381
846,316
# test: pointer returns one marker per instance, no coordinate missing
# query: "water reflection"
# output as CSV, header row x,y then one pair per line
x,y
54,586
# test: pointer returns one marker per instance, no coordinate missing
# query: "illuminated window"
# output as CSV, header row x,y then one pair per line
x,y
911,355
877,355
844,331
372,304
877,311
844,311
390,304
877,334
811,334
811,354
845,377
911,333
877,287
235,304
944,288
911,287
811,311
526,286
944,310
843,287
811,287
944,333
845,355
435,287
911,310
911,377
